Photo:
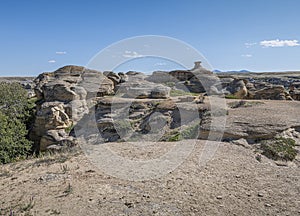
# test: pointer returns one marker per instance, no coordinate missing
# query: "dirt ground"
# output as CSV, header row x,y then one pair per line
x,y
233,182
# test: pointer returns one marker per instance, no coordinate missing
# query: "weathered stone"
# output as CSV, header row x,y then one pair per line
x,y
143,89
272,92
62,96
56,138
113,77
295,94
237,88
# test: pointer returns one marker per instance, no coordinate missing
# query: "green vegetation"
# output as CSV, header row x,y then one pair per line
x,y
69,129
170,84
243,103
190,132
16,113
279,149
230,96
174,138
178,92
122,125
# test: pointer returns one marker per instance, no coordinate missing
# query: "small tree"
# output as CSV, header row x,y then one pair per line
x,y
15,114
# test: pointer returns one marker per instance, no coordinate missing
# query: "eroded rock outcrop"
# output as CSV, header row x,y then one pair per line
x,y
152,106
62,101
138,87
243,89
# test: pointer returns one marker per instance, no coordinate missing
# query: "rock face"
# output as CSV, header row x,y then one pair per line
x,y
156,105
295,90
257,121
62,101
138,87
243,89
237,88
148,119
63,96
196,80
268,92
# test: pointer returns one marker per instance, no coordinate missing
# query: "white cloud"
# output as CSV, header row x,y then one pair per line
x,y
61,52
160,64
131,54
248,45
52,61
247,55
279,43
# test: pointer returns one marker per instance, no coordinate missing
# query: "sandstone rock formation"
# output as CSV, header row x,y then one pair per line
x,y
62,99
138,87
258,120
141,104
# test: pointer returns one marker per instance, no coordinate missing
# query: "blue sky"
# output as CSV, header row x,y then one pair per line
x,y
39,35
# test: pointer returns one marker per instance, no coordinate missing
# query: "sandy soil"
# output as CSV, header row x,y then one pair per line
x,y
233,182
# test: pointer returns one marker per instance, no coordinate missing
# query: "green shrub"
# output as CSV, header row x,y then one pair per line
x,y
190,132
13,142
14,102
16,115
279,149
174,138
170,84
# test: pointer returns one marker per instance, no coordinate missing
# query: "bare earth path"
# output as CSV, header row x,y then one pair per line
x,y
232,183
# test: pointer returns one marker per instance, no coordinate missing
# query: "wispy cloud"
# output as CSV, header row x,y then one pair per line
x,y
131,54
247,55
51,61
279,43
248,45
160,64
61,52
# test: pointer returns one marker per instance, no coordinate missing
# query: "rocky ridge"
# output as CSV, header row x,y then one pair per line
x,y
143,104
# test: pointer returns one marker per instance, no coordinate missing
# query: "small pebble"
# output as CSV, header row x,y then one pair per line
x,y
260,194
268,205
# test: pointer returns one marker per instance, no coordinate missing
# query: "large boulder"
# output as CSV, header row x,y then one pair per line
x,y
56,140
62,84
237,88
295,94
266,91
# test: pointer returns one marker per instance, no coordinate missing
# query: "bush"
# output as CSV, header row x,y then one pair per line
x,y
279,149
15,117
13,142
